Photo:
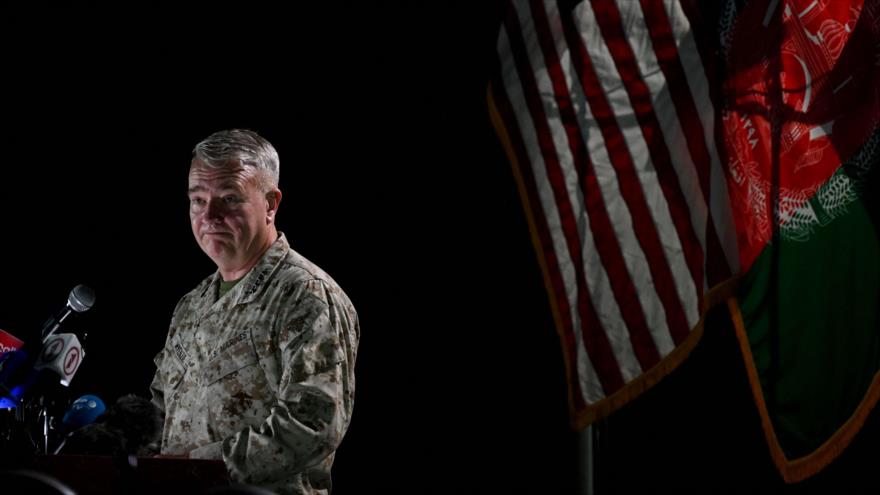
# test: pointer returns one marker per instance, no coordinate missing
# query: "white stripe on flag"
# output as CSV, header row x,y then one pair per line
x,y
597,278
639,38
719,200
591,388
618,211
619,100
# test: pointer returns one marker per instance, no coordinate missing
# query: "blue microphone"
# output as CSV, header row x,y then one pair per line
x,y
12,383
84,411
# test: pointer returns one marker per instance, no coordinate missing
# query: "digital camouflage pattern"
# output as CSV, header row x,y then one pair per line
x,y
263,377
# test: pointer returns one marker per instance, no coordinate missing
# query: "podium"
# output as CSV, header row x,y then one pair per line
x,y
86,474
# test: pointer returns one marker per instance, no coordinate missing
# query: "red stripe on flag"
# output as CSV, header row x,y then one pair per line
x,y
630,187
707,43
607,244
543,233
595,339
667,55
610,23
665,48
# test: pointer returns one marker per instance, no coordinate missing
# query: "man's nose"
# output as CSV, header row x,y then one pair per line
x,y
214,209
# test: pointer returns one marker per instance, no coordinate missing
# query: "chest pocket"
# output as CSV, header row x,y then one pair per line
x,y
173,376
175,368
236,354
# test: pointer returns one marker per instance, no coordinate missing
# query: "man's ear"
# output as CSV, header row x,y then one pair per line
x,y
273,199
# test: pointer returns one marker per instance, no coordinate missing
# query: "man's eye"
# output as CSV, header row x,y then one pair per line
x,y
197,201
231,199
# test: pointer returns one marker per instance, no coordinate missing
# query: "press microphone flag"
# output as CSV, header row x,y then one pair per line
x,y
62,353
12,358
9,342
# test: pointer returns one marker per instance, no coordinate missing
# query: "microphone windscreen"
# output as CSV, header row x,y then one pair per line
x,y
132,425
84,411
139,420
81,298
96,439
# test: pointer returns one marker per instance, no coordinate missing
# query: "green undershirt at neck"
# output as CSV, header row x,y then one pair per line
x,y
226,287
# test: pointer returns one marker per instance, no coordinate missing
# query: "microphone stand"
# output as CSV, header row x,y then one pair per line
x,y
44,411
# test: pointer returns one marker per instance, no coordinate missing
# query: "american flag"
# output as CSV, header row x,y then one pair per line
x,y
606,109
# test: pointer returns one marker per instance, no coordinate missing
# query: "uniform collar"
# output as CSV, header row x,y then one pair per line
x,y
246,290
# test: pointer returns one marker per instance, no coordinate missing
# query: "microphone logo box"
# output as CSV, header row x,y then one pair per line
x,y
62,353
9,343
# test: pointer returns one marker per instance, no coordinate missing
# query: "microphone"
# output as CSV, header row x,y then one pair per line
x,y
62,353
139,421
131,426
80,299
11,390
61,356
82,413
11,359
9,342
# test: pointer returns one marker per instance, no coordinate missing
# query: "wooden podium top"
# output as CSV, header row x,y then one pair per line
x,y
87,474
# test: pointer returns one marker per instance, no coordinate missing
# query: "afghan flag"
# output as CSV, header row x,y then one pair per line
x,y
678,156
800,119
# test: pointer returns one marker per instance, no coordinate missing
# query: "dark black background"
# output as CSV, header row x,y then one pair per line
x,y
393,182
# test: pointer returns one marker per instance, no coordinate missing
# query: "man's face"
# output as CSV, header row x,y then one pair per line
x,y
230,216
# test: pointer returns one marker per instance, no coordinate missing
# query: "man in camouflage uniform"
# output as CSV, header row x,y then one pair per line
x,y
258,366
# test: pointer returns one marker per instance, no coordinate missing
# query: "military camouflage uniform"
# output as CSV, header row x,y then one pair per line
x,y
262,377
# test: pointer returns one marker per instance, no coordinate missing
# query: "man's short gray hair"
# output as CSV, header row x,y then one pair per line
x,y
248,147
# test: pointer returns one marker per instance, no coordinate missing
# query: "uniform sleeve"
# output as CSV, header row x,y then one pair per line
x,y
157,386
316,343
